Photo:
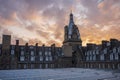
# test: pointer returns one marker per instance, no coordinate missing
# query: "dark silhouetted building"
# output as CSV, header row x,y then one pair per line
x,y
71,54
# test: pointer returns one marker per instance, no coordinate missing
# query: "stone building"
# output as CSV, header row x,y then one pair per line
x,y
72,44
71,54
5,52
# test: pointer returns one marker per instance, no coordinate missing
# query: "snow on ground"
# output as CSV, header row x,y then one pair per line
x,y
58,74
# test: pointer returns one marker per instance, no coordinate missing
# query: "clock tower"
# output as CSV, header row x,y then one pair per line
x,y
71,38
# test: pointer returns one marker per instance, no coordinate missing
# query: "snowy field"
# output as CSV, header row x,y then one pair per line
x,y
58,74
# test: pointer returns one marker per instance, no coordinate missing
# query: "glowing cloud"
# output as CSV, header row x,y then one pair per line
x,y
43,21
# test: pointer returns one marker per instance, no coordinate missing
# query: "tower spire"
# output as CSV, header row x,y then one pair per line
x,y
71,23
71,18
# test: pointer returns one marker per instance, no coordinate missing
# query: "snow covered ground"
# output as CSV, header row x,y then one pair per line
x,y
58,74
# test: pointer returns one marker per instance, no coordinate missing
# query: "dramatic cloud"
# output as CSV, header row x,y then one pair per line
x,y
103,20
43,21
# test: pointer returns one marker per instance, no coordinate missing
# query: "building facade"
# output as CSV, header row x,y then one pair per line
x,y
71,54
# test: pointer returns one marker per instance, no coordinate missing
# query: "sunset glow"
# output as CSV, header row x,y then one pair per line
x,y
43,21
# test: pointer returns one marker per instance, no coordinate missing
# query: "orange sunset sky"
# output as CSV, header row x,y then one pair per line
x,y
43,21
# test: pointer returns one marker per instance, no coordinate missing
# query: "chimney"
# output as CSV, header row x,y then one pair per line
x,y
17,42
104,43
36,44
26,44
113,42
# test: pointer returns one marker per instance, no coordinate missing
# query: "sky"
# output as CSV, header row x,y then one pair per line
x,y
43,21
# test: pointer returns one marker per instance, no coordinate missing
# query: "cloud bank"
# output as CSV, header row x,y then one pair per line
x,y
43,21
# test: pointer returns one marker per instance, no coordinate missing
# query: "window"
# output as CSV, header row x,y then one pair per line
x,y
102,57
40,53
33,58
108,44
111,56
31,47
88,53
105,51
32,53
116,56
50,49
13,47
93,51
49,53
50,58
69,37
40,66
46,53
91,57
87,58
41,58
62,54
114,50
94,57
22,48
22,58
46,59
46,65
119,49
12,52
22,53
97,52
25,66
